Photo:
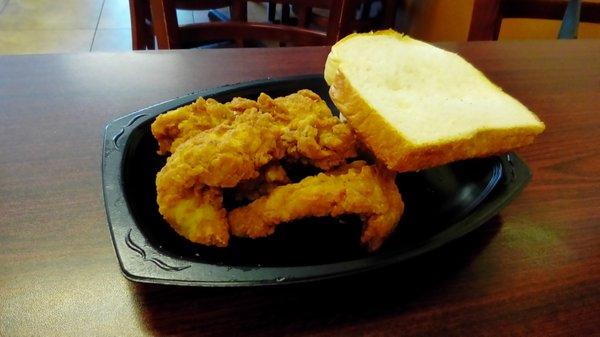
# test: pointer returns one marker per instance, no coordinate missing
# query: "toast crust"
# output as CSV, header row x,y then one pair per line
x,y
399,154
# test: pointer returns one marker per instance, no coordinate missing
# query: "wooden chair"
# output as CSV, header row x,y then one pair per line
x,y
141,25
366,20
170,35
142,29
488,14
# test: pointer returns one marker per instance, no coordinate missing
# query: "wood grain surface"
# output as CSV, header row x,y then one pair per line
x,y
533,270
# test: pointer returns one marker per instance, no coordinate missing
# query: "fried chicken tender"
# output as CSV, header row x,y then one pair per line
x,y
173,128
310,132
197,214
223,156
356,188
216,146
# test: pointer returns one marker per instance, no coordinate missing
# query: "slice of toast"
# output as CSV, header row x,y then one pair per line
x,y
417,106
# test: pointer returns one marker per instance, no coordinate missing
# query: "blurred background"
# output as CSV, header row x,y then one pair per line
x,y
47,26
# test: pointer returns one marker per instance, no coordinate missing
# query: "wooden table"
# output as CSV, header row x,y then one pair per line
x,y
533,270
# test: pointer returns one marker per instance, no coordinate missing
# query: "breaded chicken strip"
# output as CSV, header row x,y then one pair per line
x,y
196,214
310,132
173,128
219,157
225,155
357,188
216,145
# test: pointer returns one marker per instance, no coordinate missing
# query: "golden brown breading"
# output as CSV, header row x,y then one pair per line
x,y
217,146
225,155
310,132
239,105
271,176
219,157
197,214
369,191
173,128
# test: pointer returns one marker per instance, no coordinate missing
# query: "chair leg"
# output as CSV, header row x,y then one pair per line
x,y
272,8
341,21
148,30
141,34
485,20
285,13
164,23
239,12
303,14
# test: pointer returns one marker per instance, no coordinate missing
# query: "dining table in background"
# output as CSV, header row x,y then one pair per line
x,y
532,270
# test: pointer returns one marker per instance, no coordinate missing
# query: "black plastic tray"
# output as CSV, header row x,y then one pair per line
x,y
441,205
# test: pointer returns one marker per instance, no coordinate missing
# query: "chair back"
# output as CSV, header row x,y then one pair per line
x,y
343,19
488,14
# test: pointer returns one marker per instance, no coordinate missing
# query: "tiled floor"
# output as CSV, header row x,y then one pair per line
x,y
50,26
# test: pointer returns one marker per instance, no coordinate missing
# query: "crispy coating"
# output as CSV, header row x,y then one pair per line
x,y
216,146
271,176
173,128
357,188
308,129
225,155
219,157
196,214
310,132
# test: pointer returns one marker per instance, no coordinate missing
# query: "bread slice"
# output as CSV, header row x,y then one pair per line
x,y
417,106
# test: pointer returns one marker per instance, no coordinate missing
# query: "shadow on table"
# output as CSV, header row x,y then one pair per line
x,y
167,310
